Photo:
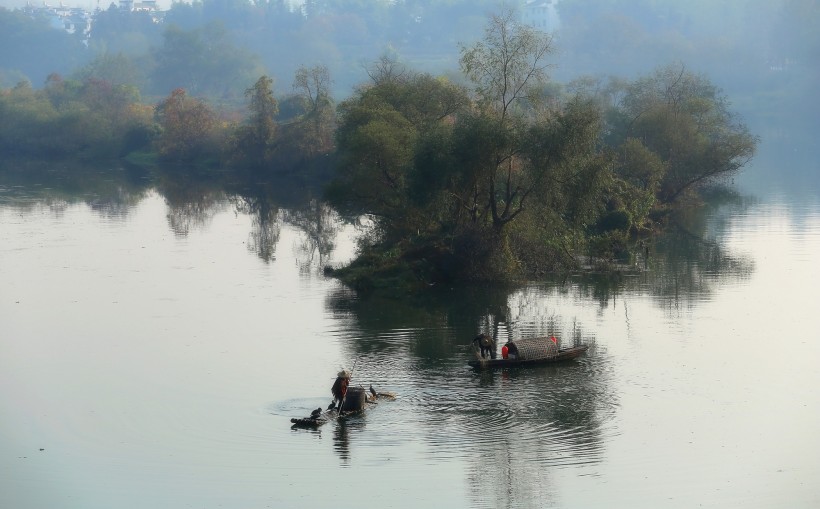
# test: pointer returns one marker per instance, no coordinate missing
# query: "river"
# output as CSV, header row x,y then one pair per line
x,y
156,338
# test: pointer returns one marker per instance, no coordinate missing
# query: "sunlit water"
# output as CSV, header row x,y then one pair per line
x,y
152,358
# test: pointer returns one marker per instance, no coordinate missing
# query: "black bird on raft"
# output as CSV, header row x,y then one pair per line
x,y
316,413
372,391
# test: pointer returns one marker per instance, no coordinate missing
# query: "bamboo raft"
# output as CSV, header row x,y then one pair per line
x,y
354,405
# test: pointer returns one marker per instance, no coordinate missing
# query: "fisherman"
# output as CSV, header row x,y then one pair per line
x,y
487,345
339,388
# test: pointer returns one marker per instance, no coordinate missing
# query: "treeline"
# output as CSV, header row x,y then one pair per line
x,y
499,175
95,119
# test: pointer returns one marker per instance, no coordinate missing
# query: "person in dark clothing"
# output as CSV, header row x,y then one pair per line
x,y
487,345
339,388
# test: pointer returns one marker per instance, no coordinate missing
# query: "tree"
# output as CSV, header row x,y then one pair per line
x,y
121,31
117,69
508,69
376,144
452,174
685,120
382,131
508,65
314,129
254,142
188,127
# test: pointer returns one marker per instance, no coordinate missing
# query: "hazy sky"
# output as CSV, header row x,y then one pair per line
x,y
87,4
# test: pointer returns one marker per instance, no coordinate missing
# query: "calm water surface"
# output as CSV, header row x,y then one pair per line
x,y
154,349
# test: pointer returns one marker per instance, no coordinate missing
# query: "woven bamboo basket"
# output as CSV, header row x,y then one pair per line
x,y
535,348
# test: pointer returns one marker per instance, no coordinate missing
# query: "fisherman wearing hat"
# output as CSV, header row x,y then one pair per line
x,y
339,388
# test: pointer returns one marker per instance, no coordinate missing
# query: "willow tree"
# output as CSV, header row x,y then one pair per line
x,y
684,120
477,186
508,69
509,66
312,130
384,131
532,175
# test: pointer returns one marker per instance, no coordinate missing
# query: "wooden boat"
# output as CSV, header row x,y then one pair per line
x,y
560,356
351,407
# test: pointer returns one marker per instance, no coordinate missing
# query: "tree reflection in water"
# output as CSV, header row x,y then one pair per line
x,y
111,192
192,203
321,225
266,224
516,423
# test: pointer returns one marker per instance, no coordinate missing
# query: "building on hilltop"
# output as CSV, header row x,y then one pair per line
x,y
139,6
71,19
541,14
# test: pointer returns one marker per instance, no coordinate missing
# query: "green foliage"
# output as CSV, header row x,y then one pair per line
x,y
188,128
684,120
253,142
311,127
519,180
377,144
68,118
115,68
426,162
508,65
385,133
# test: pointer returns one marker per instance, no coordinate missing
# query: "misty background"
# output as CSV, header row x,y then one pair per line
x,y
764,54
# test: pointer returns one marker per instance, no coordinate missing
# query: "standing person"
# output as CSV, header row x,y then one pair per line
x,y
339,388
487,345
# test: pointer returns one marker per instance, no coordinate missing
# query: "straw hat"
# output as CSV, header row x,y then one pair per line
x,y
343,374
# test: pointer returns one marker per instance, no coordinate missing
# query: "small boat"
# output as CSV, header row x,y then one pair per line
x,y
356,402
530,352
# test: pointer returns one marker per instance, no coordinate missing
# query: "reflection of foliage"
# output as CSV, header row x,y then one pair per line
x,y
109,191
511,423
687,264
191,204
539,418
117,204
680,266
320,224
266,224
461,312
